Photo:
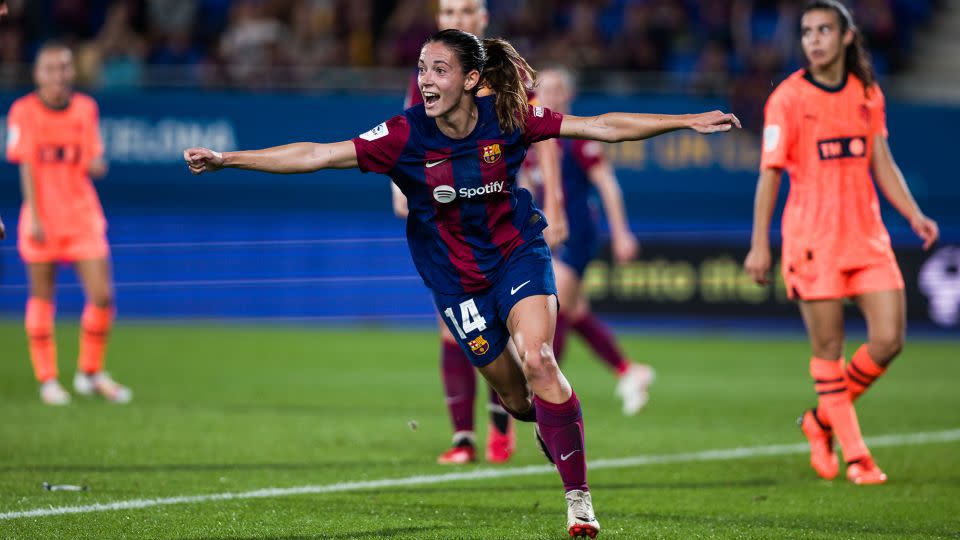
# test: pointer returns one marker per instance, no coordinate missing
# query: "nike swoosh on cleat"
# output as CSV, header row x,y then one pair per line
x,y
432,164
564,457
513,290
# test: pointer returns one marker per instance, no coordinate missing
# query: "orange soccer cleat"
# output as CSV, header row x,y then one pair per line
x,y
500,446
458,455
822,457
865,472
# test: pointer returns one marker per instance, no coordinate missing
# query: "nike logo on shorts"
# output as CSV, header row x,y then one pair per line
x,y
513,290
565,457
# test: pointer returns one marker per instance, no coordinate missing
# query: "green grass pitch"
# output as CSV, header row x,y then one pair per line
x,y
220,409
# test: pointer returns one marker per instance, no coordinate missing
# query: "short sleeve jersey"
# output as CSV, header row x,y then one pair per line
x,y
466,214
58,145
824,138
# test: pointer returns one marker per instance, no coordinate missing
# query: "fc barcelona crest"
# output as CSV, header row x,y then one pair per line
x,y
491,153
480,346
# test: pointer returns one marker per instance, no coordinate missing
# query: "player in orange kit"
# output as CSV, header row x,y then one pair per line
x,y
53,134
826,126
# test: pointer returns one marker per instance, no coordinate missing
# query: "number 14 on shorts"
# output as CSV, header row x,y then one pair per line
x,y
470,315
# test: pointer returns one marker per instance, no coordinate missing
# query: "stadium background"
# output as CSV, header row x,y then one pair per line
x,y
324,247
275,334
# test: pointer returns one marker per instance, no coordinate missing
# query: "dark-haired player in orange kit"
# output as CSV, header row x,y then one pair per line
x,y
54,136
826,126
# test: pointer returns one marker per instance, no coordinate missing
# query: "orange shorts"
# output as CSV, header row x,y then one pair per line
x,y
807,281
63,248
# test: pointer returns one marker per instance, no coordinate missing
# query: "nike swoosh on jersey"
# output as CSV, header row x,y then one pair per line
x,y
565,457
432,164
513,290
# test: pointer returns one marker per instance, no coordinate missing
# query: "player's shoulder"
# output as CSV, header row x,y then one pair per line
x,y
789,88
84,101
24,103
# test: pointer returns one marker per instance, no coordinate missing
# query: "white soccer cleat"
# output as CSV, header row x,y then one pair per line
x,y
51,393
104,385
633,387
581,521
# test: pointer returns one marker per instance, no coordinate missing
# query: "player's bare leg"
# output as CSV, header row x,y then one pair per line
x,y
95,325
559,420
886,315
825,328
39,325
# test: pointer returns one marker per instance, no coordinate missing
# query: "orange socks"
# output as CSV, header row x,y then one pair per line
x,y
862,372
43,349
95,326
835,404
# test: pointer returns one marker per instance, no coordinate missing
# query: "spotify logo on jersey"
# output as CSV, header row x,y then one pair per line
x,y
444,194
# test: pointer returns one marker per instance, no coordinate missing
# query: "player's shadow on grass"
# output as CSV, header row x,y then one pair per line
x,y
391,532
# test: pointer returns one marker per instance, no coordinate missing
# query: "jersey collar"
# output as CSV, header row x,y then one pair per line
x,y
831,89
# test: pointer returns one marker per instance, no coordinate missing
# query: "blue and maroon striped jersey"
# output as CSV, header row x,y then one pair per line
x,y
466,214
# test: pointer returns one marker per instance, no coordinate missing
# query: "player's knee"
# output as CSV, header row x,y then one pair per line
x,y
828,348
886,347
539,363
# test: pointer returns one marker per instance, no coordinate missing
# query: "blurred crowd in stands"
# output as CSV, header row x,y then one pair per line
x,y
710,46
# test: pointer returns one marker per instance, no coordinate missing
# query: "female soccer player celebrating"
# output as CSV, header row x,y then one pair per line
x,y
826,126
584,168
457,374
476,241
54,135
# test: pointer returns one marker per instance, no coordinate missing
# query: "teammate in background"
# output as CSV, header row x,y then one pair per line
x,y
475,238
54,135
826,125
584,168
457,375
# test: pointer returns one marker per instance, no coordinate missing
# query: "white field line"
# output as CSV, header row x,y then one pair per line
x,y
902,439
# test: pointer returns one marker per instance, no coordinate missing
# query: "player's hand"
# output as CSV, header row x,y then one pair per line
x,y
557,229
400,207
37,233
3,230
713,122
926,229
758,263
201,160
625,247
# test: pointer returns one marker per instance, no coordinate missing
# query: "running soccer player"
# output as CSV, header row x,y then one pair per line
x,y
54,136
477,241
826,125
457,373
583,169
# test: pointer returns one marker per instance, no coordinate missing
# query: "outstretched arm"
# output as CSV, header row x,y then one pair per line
x,y
894,187
619,127
287,159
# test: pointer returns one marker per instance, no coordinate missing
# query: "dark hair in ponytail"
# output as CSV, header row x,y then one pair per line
x,y
501,68
508,74
856,56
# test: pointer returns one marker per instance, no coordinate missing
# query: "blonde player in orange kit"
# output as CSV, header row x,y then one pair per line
x,y
53,134
826,126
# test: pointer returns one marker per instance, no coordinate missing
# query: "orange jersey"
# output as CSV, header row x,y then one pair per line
x,y
824,138
59,146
